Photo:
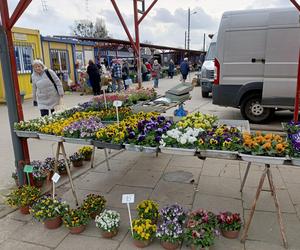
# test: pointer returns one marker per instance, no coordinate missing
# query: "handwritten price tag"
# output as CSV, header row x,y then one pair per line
x,y
117,103
55,177
127,198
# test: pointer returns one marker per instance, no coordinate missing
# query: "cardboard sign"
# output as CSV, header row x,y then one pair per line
x,y
55,177
117,103
28,169
127,198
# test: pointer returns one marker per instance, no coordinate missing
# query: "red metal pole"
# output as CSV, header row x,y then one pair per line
x,y
21,7
137,43
5,22
296,107
124,24
296,4
147,11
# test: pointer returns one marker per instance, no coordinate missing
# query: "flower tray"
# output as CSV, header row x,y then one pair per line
x,y
295,161
177,151
51,137
221,154
263,159
78,141
140,148
101,144
26,134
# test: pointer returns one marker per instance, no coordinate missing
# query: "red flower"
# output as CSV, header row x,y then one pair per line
x,y
229,219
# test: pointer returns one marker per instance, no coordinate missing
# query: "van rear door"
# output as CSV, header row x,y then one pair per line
x,y
282,51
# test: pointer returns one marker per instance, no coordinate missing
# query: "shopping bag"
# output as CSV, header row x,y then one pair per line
x,y
128,81
60,106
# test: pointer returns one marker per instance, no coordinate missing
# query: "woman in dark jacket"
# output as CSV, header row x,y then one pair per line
x,y
94,77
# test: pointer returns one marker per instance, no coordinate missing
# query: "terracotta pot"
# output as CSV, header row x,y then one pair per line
x,y
63,172
141,243
197,248
77,230
88,157
94,214
38,182
169,245
24,210
53,223
230,234
49,176
77,164
109,234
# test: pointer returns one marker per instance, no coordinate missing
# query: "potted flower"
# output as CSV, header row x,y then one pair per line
x,y
48,166
86,151
62,167
173,212
143,232
109,223
148,209
93,204
49,211
170,234
23,197
197,120
230,224
76,220
77,160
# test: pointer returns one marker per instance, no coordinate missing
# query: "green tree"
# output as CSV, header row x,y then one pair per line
x,y
86,28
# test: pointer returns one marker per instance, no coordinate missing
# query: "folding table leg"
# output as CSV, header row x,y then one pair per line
x,y
93,156
106,159
55,167
259,188
279,216
69,172
245,176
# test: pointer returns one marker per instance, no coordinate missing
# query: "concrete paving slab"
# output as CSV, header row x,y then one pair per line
x,y
100,182
35,232
79,242
258,245
151,162
170,192
128,156
140,178
222,243
194,171
265,228
16,215
114,197
294,191
266,201
115,165
18,245
290,174
185,161
217,204
8,227
219,186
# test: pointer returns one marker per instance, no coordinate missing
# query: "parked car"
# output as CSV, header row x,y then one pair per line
x,y
256,61
207,70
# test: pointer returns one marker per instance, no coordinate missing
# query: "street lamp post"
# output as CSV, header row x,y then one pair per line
x,y
189,28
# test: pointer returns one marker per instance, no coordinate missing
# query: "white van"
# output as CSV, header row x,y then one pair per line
x,y
207,69
256,61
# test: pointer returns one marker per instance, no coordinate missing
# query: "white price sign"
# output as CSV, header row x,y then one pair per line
x,y
127,198
117,103
55,177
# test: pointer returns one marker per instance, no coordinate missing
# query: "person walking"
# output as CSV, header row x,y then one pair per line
x,y
156,68
94,77
125,72
47,89
171,69
116,75
184,69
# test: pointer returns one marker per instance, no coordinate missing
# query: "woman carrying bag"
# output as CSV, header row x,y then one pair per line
x,y
47,89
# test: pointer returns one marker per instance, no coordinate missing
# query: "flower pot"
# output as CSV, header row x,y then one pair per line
x,y
169,246
77,230
88,157
38,182
16,181
141,243
94,214
77,164
53,223
230,234
24,210
109,235
63,172
49,176
193,247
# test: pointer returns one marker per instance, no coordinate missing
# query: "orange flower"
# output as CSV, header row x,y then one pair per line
x,y
278,138
247,143
260,139
280,148
258,133
268,137
267,146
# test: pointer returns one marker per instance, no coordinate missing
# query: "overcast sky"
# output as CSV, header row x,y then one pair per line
x,y
165,25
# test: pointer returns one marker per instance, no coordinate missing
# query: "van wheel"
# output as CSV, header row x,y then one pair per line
x,y
252,110
205,94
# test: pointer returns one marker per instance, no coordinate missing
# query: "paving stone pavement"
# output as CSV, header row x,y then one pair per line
x,y
214,186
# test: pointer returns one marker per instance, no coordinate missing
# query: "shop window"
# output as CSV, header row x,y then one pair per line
x,y
79,59
59,61
24,58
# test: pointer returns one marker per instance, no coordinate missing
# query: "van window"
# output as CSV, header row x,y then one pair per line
x,y
211,53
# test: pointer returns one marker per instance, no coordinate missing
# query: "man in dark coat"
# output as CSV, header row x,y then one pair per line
x,y
184,69
94,77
